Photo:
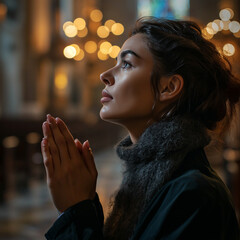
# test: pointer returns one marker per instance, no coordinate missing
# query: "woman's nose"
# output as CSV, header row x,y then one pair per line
x,y
107,78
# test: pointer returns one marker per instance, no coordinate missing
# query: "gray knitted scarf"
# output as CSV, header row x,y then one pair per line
x,y
149,164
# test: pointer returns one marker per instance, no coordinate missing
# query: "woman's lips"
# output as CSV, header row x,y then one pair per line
x,y
106,97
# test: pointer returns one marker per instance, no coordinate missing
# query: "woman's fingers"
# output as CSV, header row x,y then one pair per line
x,y
51,145
63,148
71,179
89,159
59,140
87,154
78,145
64,129
47,159
73,151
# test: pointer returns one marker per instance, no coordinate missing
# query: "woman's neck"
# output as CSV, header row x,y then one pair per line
x,y
136,129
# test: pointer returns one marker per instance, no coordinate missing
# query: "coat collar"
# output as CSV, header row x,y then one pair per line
x,y
150,163
169,138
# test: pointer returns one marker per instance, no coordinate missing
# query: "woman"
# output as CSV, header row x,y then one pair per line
x,y
169,89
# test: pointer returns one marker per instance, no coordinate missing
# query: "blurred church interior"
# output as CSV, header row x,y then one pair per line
x,y
52,53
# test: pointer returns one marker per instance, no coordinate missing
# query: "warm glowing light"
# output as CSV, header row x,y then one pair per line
x,y
93,26
83,33
114,51
117,29
80,55
219,24
33,138
102,56
212,28
103,32
77,48
90,47
228,49
69,52
234,26
231,12
215,26
109,24
3,11
225,14
100,42
10,142
61,81
66,24
231,155
80,23
237,35
206,34
219,50
105,47
226,25
96,15
71,31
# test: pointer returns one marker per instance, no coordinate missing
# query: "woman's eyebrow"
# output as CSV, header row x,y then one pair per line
x,y
124,53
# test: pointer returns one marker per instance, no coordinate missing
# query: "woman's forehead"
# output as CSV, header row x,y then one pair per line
x,y
137,43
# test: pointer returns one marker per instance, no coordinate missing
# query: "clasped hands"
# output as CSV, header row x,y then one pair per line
x,y
70,168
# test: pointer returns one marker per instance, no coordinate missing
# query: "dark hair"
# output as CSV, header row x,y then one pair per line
x,y
210,90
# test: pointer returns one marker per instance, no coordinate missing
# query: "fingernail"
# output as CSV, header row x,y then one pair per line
x,y
58,120
87,144
49,118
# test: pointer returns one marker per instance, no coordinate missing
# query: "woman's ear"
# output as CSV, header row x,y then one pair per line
x,y
170,87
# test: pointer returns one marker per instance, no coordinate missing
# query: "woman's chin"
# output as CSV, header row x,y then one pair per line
x,y
104,114
107,116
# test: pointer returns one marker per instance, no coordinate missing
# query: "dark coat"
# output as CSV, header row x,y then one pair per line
x,y
194,204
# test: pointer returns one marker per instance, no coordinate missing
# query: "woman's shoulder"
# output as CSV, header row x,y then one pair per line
x,y
193,205
194,178
195,175
201,185
197,192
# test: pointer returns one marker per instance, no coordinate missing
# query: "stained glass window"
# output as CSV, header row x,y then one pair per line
x,y
170,9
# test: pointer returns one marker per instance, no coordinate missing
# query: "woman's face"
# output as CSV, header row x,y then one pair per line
x,y
128,97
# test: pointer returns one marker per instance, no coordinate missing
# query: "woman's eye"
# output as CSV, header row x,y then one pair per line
x,y
126,65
